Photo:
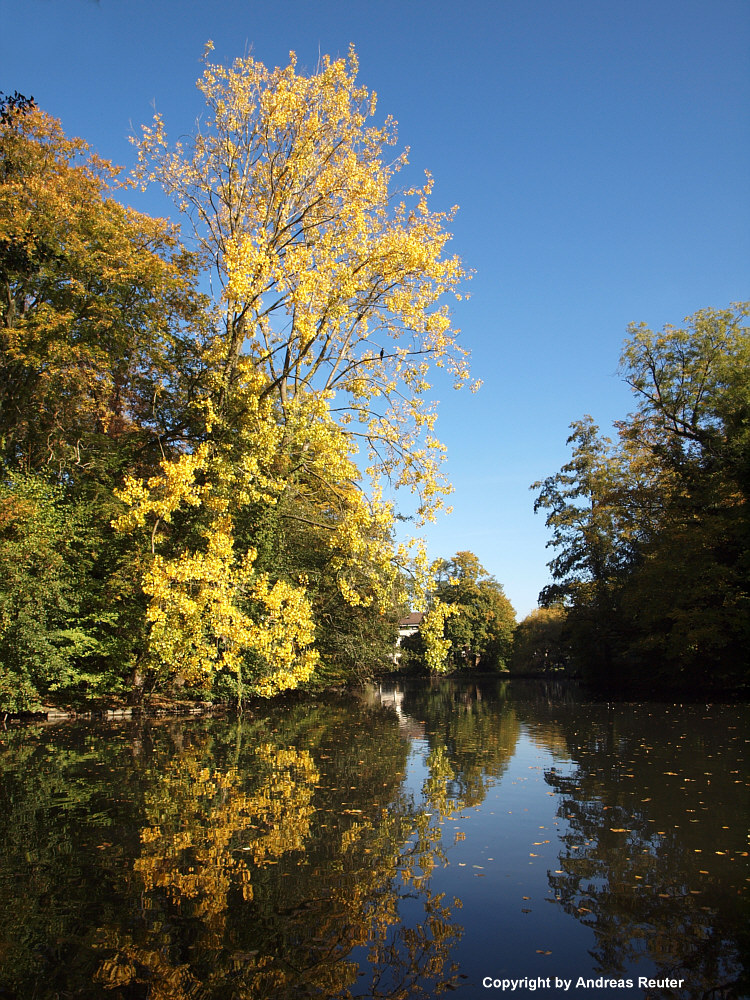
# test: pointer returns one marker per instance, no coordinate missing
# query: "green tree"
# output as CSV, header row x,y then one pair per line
x,y
593,535
481,628
538,641
56,639
652,533
687,600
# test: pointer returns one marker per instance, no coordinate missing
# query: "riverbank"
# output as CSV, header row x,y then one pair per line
x,y
159,706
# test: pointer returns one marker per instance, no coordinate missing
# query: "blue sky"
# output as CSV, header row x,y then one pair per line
x,y
598,150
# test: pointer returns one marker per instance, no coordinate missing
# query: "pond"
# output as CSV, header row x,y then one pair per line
x,y
488,839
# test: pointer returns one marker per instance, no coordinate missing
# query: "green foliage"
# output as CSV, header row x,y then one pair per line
x,y
538,641
688,599
652,533
481,630
47,639
355,642
595,536
474,619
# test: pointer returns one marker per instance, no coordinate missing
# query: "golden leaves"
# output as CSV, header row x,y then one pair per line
x,y
329,284
89,289
432,631
333,301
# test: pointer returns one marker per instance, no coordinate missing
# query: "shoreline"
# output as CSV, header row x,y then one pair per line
x,y
161,707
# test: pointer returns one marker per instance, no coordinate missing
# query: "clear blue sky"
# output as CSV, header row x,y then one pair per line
x,y
598,149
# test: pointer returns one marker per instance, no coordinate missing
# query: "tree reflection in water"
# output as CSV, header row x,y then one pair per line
x,y
635,865
473,725
256,880
284,855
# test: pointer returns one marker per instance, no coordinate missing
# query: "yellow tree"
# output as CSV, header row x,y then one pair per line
x,y
92,300
331,313
330,284
209,608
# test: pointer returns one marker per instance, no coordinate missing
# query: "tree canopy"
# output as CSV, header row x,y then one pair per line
x,y
227,453
94,299
469,622
651,532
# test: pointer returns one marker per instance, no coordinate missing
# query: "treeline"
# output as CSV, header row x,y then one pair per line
x,y
650,531
196,419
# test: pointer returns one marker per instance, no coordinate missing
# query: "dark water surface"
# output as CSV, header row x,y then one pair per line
x,y
488,839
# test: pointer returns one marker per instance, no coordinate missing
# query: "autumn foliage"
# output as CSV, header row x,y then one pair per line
x,y
228,453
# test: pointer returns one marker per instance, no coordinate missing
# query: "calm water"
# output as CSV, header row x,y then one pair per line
x,y
432,837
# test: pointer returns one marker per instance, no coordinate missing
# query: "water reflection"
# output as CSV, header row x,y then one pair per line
x,y
475,724
655,853
252,860
323,848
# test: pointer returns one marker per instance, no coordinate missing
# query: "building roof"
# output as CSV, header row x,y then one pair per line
x,y
413,618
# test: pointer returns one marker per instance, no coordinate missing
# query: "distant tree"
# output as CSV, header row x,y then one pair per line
x,y
480,630
593,535
538,641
